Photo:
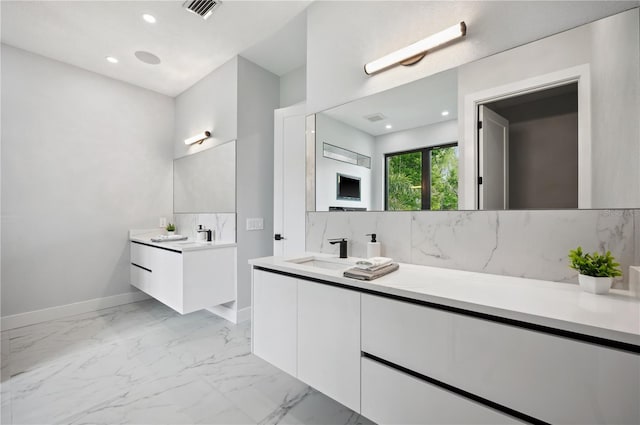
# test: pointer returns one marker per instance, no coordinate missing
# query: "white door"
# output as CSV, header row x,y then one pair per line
x,y
493,167
289,180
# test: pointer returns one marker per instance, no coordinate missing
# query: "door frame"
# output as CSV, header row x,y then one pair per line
x,y
468,193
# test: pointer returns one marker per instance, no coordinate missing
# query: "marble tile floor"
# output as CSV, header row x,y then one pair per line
x,y
143,363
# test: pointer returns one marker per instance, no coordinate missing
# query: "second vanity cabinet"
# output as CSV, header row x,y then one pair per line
x,y
185,281
397,360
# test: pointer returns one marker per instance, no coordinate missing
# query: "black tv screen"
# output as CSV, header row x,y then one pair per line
x,y
348,187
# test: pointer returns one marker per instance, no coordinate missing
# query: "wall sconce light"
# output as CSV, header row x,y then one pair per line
x,y
198,138
416,51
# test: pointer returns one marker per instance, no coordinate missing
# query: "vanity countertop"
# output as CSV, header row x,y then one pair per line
x,y
614,316
144,237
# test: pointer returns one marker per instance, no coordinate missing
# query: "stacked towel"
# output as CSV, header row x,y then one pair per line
x,y
169,238
371,268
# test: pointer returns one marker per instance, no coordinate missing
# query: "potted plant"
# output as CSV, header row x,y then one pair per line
x,y
596,270
171,229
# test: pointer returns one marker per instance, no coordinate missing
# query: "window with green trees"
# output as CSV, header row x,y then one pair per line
x,y
423,179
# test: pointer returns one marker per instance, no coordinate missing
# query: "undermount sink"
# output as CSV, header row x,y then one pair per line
x,y
191,243
327,263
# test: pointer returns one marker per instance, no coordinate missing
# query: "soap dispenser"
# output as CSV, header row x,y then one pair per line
x,y
373,247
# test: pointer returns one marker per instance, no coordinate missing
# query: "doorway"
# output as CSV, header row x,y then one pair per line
x,y
528,150
469,149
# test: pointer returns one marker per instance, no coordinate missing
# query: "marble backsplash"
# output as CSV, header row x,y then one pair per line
x,y
531,244
224,225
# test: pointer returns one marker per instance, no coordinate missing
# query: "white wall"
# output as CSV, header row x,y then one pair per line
x,y
337,133
429,135
258,96
84,159
210,104
343,36
614,63
293,87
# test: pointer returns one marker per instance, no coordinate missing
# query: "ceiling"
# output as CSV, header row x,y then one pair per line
x,y
404,107
83,33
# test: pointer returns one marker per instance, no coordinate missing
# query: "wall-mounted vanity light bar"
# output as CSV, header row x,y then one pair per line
x,y
198,138
416,51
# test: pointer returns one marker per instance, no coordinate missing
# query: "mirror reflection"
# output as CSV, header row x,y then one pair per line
x,y
551,124
205,182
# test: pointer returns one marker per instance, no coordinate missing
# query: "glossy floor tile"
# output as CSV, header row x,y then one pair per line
x,y
143,363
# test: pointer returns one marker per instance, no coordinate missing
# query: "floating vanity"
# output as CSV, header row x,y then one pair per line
x,y
431,345
185,275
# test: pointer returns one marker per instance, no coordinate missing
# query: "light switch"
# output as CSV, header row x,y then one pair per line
x,y
255,223
163,221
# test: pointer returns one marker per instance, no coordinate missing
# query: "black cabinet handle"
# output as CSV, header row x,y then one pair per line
x,y
143,268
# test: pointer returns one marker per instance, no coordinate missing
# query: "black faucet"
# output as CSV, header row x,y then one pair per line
x,y
208,231
343,246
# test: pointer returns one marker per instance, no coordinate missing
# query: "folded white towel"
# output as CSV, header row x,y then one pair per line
x,y
373,263
168,238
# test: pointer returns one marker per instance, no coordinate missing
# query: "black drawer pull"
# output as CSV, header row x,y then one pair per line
x,y
140,267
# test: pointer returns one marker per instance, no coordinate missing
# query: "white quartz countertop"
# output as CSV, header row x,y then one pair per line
x,y
614,316
144,237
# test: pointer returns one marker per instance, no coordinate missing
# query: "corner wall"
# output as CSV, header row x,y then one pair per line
x,y
258,96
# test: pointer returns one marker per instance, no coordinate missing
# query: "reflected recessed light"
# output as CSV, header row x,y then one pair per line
x,y
111,59
388,126
445,113
149,18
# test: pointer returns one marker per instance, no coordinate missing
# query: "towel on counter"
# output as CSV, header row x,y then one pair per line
x,y
364,274
169,238
373,263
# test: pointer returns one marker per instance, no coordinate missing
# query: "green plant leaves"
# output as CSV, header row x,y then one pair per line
x,y
595,264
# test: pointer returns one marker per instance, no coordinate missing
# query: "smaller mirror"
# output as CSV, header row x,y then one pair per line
x,y
205,182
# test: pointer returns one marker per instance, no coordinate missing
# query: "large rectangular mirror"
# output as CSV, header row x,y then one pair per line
x,y
205,182
551,124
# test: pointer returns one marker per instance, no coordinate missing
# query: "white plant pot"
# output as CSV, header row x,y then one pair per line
x,y
595,285
171,232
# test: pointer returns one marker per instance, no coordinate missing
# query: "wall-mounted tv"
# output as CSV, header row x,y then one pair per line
x,y
348,187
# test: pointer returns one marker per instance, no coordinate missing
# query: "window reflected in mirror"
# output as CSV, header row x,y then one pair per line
x,y
422,179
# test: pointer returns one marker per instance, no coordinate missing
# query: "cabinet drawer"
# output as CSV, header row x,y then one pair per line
x,y
140,277
390,396
548,377
142,255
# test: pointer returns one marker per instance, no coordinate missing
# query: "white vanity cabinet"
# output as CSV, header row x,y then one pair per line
x,y
186,281
399,359
311,331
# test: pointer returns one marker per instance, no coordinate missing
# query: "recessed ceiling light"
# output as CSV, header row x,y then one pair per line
x,y
111,59
388,126
445,113
149,18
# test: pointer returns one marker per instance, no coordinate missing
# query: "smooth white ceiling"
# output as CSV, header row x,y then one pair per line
x,y
283,51
412,105
82,33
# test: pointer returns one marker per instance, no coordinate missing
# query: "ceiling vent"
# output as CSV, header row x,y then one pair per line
x,y
202,8
375,117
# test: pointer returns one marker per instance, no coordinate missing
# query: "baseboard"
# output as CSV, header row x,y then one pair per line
x,y
230,313
52,313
